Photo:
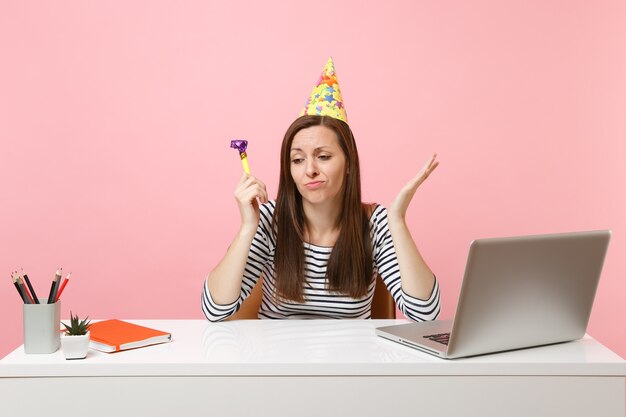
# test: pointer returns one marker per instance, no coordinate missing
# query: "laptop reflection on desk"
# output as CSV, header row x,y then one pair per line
x,y
517,292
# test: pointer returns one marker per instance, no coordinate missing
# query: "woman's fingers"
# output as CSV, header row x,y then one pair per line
x,y
406,194
252,194
250,188
263,197
426,171
430,169
433,160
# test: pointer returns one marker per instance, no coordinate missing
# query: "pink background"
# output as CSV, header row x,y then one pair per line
x,y
115,120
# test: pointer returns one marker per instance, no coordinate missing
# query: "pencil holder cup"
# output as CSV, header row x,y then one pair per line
x,y
42,324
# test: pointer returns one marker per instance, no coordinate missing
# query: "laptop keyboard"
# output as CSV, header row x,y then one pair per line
x,y
442,338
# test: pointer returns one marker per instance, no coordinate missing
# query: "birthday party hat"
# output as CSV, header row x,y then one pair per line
x,y
325,99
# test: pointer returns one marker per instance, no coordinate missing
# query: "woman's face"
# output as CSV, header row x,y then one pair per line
x,y
317,165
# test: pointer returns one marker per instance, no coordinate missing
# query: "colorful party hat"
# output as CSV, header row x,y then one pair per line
x,y
325,100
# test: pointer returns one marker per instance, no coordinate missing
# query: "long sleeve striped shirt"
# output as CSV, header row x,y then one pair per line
x,y
319,301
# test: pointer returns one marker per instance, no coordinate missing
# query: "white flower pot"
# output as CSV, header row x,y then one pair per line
x,y
75,347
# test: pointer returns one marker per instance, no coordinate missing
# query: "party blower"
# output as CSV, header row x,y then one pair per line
x,y
241,146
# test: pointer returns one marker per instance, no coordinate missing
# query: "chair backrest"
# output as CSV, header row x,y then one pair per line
x,y
383,306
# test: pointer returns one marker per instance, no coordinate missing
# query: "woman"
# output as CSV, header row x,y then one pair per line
x,y
318,247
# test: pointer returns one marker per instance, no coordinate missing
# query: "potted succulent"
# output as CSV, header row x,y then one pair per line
x,y
75,338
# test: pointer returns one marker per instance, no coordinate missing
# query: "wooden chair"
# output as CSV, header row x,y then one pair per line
x,y
383,306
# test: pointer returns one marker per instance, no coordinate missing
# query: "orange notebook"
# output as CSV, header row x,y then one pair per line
x,y
115,335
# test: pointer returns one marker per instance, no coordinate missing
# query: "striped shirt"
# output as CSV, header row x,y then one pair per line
x,y
319,301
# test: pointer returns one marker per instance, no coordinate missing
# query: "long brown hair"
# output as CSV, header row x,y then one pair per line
x,y
350,266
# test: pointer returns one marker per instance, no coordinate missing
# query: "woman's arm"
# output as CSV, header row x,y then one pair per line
x,y
224,281
417,278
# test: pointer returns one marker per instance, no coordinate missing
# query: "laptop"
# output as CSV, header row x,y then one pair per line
x,y
517,292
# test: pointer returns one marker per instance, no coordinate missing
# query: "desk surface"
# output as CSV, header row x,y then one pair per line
x,y
306,347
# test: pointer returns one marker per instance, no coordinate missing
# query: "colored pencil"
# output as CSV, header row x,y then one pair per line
x,y
20,281
65,281
55,286
32,290
17,287
29,299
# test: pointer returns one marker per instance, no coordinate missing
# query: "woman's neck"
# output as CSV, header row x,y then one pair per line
x,y
321,223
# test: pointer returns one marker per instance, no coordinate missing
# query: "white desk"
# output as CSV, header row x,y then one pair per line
x,y
310,368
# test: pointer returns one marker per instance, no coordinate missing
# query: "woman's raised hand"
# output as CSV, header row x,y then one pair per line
x,y
403,199
249,193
